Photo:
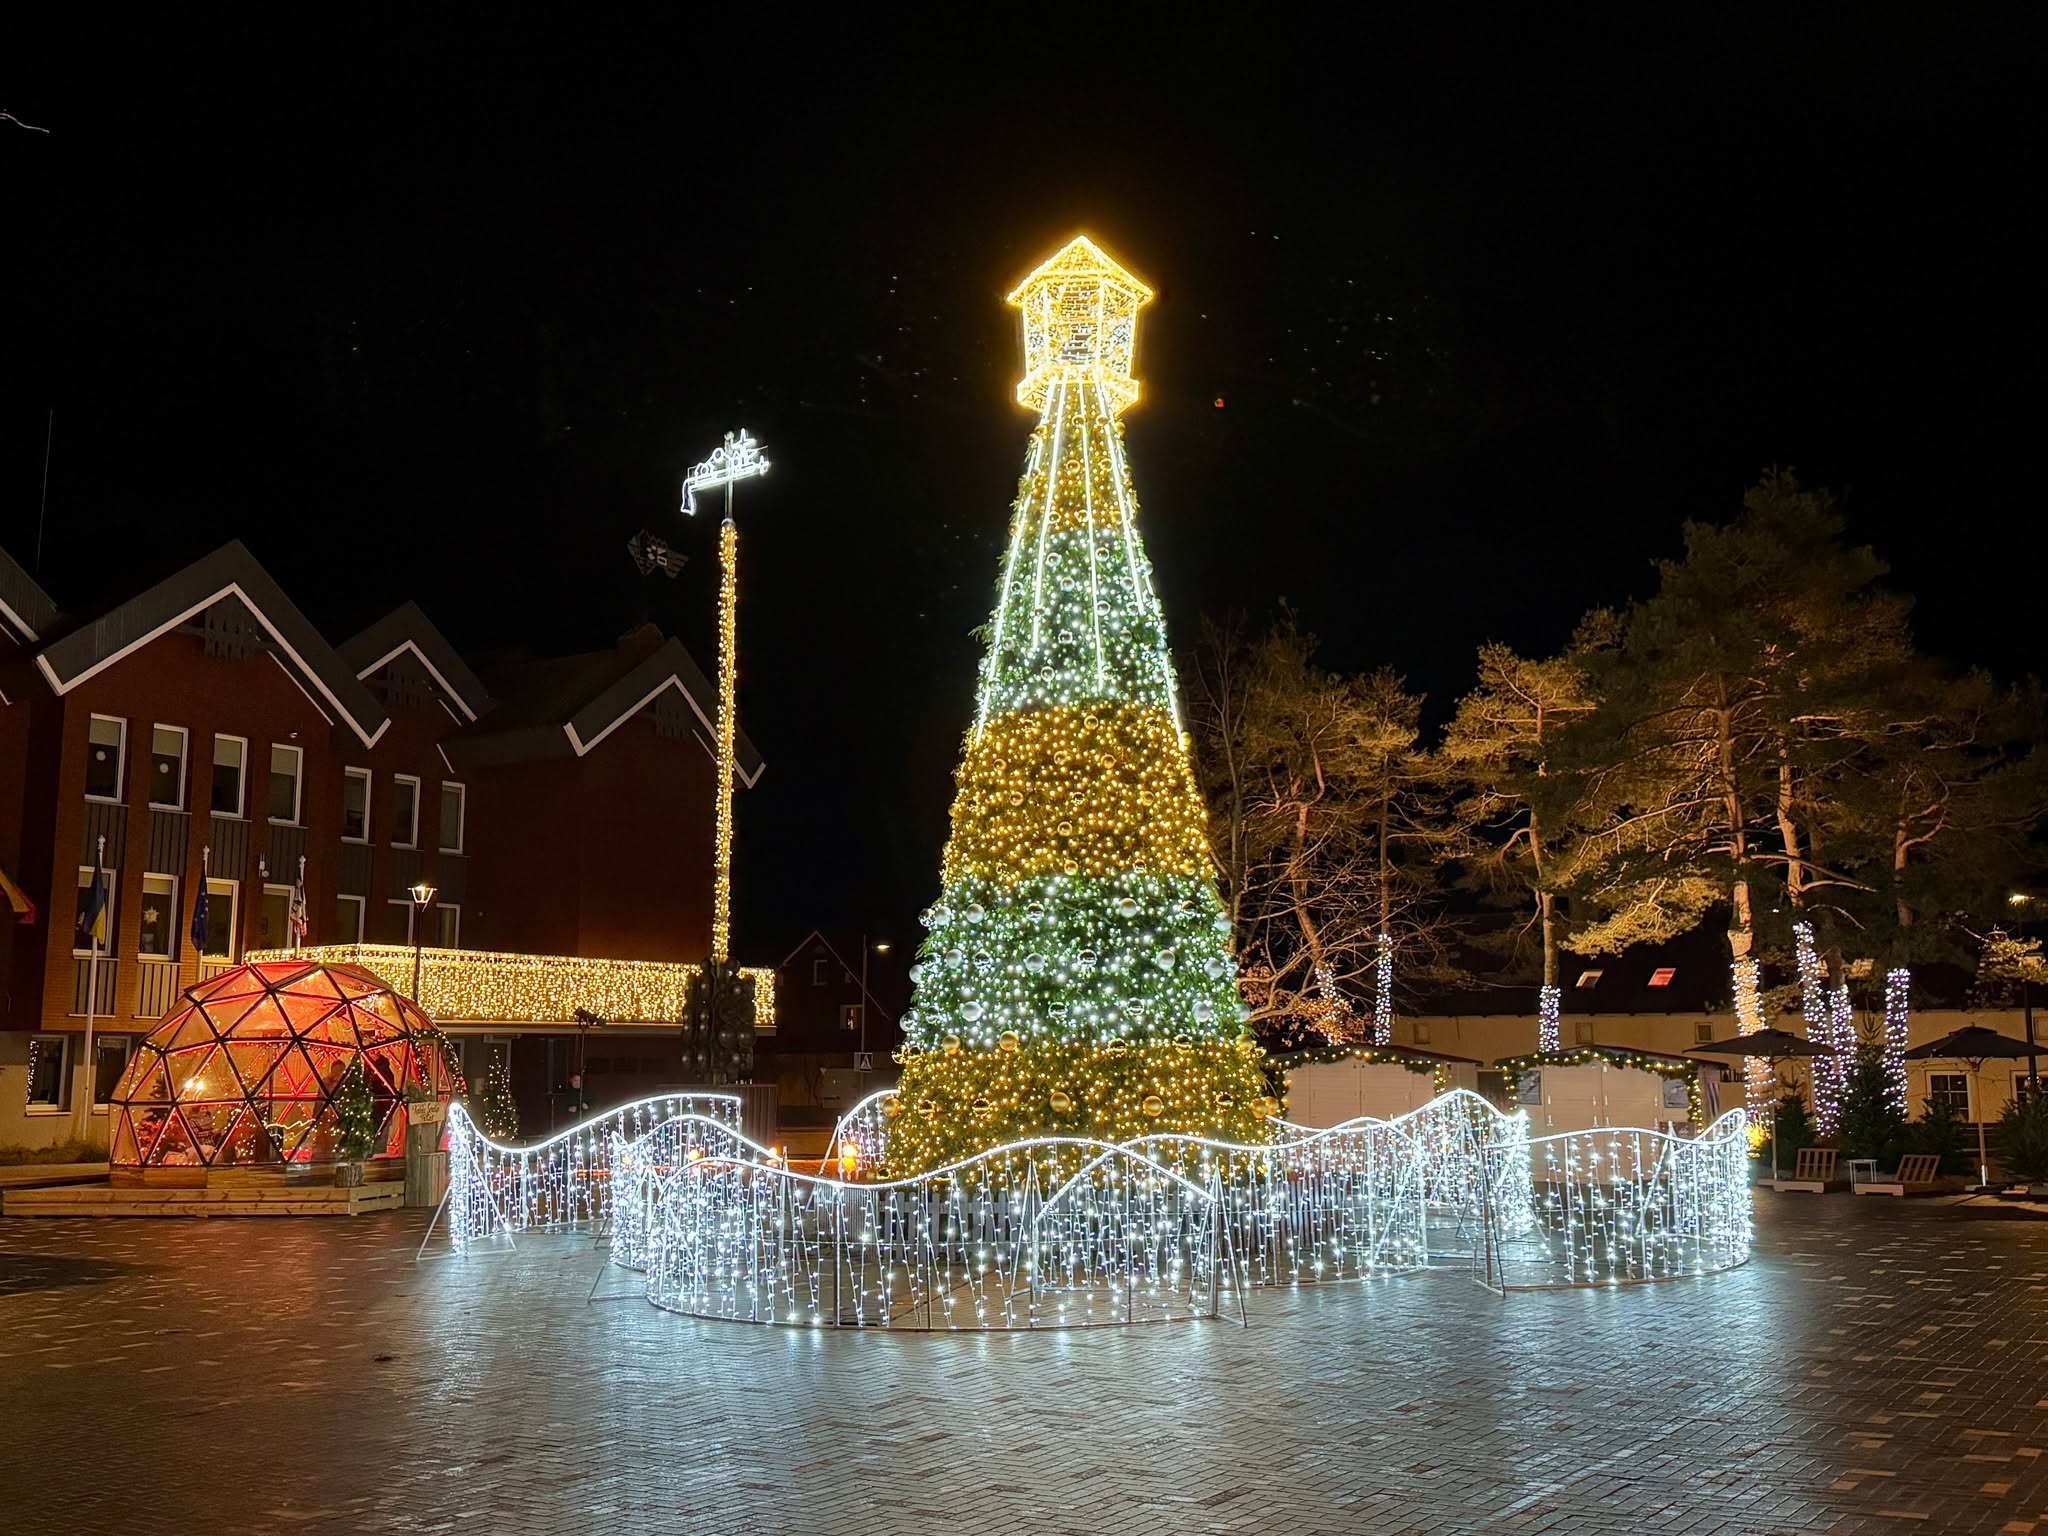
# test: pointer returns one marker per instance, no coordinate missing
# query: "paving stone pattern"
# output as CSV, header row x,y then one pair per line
x,y
1877,1368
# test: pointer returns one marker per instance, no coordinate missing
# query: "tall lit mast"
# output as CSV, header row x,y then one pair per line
x,y
739,458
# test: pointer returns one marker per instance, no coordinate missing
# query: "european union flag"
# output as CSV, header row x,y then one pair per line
x,y
199,918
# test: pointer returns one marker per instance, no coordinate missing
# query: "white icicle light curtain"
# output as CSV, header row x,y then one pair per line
x,y
1060,1232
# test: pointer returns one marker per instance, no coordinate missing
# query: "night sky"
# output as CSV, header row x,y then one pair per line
x,y
1452,333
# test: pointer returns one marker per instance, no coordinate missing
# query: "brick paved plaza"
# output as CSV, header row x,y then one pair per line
x,y
1877,1367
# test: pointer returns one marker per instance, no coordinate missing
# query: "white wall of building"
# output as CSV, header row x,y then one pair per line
x,y
1491,1037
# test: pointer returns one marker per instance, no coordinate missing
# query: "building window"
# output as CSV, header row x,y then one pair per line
x,y
405,811
229,753
273,918
1421,1032
285,765
398,922
1663,976
84,890
1589,979
355,805
1703,1034
453,803
818,971
106,748
167,767
159,938
1952,1089
48,1056
110,1060
448,925
348,919
223,897
1582,1031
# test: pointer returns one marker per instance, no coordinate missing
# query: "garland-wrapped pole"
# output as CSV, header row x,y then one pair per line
x,y
739,458
1816,1005
1383,993
1898,1002
1759,1075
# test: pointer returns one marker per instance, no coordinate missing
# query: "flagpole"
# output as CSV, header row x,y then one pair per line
x,y
92,997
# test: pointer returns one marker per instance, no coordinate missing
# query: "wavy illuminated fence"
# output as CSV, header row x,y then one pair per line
x,y
562,1182
1067,1232
1614,1205
1052,1233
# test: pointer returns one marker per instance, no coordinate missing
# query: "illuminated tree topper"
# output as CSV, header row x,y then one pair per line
x,y
1080,326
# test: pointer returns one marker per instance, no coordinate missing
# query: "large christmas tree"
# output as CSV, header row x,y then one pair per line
x,y
1077,978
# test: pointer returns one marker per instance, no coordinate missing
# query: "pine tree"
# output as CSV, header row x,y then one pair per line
x,y
355,1115
1077,977
1514,811
1736,693
499,1112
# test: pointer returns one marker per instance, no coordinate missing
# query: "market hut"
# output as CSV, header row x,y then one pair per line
x,y
1330,1086
1587,1087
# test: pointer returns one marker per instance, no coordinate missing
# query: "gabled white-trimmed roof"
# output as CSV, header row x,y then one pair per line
x,y
25,608
230,571
407,628
567,706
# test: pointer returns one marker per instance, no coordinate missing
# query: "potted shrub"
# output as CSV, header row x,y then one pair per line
x,y
355,1138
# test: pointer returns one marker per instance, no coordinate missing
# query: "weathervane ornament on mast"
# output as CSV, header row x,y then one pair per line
x,y
738,458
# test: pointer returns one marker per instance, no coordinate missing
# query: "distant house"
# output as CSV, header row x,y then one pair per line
x,y
824,1018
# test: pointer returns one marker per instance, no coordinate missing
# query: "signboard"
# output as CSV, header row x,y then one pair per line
x,y
863,1061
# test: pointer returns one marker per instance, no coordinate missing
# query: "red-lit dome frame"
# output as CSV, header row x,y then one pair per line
x,y
244,1073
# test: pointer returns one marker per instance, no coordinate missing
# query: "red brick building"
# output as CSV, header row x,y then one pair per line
x,y
205,730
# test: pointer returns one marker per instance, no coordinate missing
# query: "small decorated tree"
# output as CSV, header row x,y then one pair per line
x,y
1870,1122
499,1111
355,1116
2021,1138
1939,1130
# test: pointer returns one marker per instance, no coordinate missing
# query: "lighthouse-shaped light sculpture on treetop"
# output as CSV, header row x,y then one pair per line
x,y
1077,977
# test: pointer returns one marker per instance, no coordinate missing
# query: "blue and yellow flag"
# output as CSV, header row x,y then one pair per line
x,y
92,912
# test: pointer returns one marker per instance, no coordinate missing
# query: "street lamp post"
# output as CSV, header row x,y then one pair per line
x,y
422,898
880,949
2021,902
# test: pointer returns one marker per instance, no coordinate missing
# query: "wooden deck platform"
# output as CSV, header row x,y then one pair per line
x,y
230,1200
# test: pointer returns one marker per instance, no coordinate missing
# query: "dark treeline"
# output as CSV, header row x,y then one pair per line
x,y
1757,744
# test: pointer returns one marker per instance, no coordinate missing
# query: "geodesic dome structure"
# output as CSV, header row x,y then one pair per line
x,y
244,1072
